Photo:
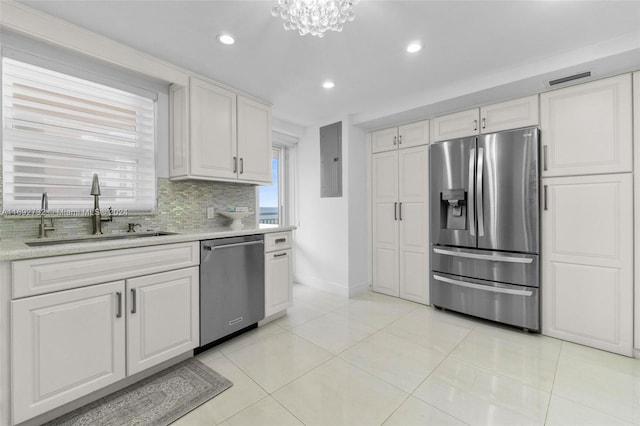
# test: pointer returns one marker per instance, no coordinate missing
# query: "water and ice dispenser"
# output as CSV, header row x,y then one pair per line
x,y
453,209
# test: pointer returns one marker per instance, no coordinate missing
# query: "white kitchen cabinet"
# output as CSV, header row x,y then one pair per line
x,y
216,134
636,188
162,317
254,141
73,334
405,136
65,345
587,260
513,114
587,128
400,223
278,266
456,125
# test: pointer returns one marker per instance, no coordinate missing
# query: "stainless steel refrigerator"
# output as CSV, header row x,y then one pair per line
x,y
484,197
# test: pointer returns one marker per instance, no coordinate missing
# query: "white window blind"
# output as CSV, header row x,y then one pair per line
x,y
58,130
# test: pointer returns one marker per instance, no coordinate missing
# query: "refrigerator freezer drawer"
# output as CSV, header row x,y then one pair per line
x,y
509,304
512,268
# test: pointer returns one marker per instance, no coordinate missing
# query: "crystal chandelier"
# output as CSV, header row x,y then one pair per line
x,y
314,16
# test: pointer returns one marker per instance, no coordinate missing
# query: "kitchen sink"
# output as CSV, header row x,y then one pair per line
x,y
99,238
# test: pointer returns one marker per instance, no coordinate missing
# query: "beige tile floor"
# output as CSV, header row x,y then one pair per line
x,y
374,360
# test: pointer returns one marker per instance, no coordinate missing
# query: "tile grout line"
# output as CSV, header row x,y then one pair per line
x,y
553,383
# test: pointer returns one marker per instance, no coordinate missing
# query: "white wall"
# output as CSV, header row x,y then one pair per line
x,y
331,239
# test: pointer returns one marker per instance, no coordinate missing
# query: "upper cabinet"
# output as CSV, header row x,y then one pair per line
x,y
456,125
512,114
404,136
587,129
218,135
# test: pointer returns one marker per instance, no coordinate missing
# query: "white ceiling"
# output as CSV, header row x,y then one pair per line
x,y
511,47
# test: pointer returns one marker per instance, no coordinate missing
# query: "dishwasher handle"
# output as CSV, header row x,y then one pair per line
x,y
248,243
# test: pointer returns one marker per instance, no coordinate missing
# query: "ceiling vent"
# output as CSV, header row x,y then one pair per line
x,y
569,78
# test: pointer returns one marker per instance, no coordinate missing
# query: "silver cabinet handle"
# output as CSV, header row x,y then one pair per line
x,y
399,139
484,123
241,165
546,199
133,301
395,211
119,304
483,287
394,140
279,254
235,164
472,193
490,257
544,158
480,190
475,124
280,240
400,211
248,243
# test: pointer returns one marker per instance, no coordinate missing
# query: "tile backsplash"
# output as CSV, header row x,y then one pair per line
x,y
182,206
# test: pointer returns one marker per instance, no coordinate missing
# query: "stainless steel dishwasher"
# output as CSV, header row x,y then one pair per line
x,y
231,285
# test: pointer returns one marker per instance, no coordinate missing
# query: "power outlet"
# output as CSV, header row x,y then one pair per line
x,y
210,212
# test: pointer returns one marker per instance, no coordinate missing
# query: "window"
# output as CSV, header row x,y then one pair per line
x,y
58,130
272,197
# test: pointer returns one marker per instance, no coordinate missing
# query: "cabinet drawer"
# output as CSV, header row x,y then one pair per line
x,y
277,241
48,274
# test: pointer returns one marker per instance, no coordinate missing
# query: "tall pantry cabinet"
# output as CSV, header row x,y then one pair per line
x,y
399,211
587,214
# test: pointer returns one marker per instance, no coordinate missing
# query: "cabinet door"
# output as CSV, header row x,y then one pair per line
x,y
162,317
254,141
413,134
457,125
586,129
213,131
384,174
587,235
65,345
413,217
384,140
278,283
513,114
636,188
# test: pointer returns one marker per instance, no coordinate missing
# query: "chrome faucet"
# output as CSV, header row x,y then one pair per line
x,y
96,216
44,228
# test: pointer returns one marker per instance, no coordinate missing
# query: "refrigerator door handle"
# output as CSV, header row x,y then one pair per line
x,y
490,257
483,287
472,193
479,204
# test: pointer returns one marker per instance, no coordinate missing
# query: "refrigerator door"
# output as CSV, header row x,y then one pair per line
x,y
452,185
507,206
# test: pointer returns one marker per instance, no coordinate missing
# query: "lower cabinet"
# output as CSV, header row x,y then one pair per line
x,y
278,290
162,317
70,343
278,275
400,217
587,255
66,345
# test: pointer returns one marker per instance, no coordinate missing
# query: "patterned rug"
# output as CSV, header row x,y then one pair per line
x,y
157,400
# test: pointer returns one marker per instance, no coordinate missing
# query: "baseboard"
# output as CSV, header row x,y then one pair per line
x,y
357,289
323,285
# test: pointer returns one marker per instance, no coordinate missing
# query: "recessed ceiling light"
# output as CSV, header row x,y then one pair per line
x,y
328,84
225,38
414,46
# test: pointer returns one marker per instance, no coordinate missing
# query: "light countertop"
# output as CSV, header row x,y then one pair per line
x,y
18,249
